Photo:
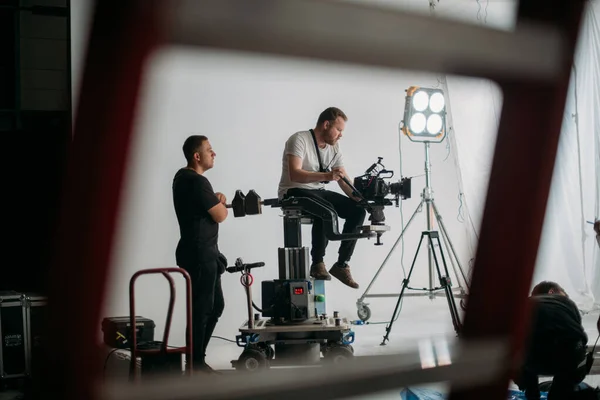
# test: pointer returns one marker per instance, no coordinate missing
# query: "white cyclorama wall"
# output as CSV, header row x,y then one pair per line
x,y
248,107
568,253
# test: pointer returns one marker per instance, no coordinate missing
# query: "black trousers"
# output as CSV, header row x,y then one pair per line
x,y
563,362
346,208
207,295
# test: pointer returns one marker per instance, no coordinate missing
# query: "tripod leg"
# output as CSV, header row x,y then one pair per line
x,y
447,238
361,299
388,328
445,282
458,280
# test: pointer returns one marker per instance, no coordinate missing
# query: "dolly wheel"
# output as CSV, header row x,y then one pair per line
x,y
268,350
364,313
339,354
251,360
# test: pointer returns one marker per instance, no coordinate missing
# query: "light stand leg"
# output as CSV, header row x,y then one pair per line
x,y
360,301
452,263
446,238
388,328
445,282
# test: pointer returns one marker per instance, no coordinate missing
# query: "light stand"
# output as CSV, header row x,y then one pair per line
x,y
433,241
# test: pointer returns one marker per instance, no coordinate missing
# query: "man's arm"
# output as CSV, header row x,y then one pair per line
x,y
213,202
344,186
219,212
297,174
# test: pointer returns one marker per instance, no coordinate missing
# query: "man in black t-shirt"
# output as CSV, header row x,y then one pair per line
x,y
199,211
556,344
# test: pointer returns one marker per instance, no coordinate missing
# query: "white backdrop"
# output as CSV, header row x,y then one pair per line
x,y
249,105
568,252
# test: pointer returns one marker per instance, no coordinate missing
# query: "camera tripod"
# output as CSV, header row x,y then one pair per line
x,y
444,283
363,311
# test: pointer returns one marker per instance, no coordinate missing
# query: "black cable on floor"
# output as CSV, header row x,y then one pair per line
x,y
222,338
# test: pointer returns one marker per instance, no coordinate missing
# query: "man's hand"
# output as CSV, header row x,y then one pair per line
x,y
344,186
221,198
336,174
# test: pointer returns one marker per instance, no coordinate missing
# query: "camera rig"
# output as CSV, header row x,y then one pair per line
x,y
371,190
296,322
374,192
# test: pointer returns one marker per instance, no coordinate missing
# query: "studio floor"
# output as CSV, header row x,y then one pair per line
x,y
419,321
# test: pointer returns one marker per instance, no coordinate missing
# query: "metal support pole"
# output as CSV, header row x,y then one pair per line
x,y
428,197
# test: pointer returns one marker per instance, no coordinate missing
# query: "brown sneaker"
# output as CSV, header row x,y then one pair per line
x,y
319,272
344,275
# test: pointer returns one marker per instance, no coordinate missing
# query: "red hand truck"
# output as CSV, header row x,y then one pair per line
x,y
164,348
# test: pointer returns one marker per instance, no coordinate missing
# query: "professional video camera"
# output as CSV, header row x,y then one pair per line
x,y
375,190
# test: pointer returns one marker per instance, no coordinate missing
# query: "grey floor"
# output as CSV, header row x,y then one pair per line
x,y
419,319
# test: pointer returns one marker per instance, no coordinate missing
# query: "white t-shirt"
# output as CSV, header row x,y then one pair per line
x,y
301,144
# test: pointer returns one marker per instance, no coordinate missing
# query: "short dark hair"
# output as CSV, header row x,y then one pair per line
x,y
192,145
331,114
545,287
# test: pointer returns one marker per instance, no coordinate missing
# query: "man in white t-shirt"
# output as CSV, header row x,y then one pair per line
x,y
305,170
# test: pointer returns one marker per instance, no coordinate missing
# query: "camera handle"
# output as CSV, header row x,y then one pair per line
x,y
375,164
356,193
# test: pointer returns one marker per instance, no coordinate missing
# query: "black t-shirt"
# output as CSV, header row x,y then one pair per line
x,y
556,323
193,196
